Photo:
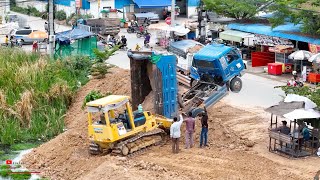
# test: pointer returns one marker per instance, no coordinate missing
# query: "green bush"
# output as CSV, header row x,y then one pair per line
x,y
74,17
35,93
309,92
61,15
31,11
93,95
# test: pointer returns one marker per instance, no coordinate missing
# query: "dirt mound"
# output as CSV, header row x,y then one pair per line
x,y
66,156
237,148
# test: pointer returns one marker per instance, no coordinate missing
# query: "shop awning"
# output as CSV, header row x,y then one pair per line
x,y
235,36
152,3
286,31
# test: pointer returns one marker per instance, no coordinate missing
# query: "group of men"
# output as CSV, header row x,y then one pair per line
x,y
175,132
12,41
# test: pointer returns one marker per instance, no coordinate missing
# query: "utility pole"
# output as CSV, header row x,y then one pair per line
x,y
51,28
173,12
202,20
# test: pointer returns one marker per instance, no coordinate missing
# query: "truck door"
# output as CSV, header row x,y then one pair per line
x,y
194,71
224,65
234,66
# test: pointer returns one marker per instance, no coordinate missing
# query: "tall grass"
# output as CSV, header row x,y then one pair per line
x,y
35,93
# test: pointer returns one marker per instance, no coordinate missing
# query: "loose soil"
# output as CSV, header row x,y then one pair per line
x,y
238,148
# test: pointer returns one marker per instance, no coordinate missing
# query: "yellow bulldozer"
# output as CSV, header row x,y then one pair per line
x,y
114,127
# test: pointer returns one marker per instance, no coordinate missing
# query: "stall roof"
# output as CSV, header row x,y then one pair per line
x,y
73,34
284,107
152,3
232,35
286,31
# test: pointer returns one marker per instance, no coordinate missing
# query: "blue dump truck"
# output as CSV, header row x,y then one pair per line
x,y
209,71
214,63
214,70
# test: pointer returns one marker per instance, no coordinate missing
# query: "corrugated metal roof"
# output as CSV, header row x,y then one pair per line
x,y
232,35
212,52
286,31
152,3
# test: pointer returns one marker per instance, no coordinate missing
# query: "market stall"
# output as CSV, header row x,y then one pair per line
x,y
314,76
163,34
75,41
304,120
281,56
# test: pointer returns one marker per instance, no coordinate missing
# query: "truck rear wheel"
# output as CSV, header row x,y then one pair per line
x,y
236,85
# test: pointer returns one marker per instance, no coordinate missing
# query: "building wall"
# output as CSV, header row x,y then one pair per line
x,y
119,4
95,11
192,6
192,10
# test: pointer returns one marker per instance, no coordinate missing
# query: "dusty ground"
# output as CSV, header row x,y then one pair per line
x,y
238,148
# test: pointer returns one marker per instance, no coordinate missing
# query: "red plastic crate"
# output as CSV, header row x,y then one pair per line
x,y
275,68
314,77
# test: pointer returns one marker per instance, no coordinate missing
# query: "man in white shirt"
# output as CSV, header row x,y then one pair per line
x,y
175,133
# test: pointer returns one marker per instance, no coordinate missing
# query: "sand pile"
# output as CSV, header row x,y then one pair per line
x,y
66,156
237,140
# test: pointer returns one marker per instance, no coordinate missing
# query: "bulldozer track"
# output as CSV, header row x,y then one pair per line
x,y
139,143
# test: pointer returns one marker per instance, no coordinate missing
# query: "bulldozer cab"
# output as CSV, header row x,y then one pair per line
x,y
109,110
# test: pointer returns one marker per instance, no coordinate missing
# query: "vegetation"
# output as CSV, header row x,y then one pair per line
x,y
101,56
74,17
306,12
100,68
22,146
311,93
238,9
5,171
93,95
31,11
61,15
35,94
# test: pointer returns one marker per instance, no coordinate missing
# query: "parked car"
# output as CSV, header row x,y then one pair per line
x,y
22,34
151,16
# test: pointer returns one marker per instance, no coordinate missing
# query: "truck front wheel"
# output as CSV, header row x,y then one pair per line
x,y
236,85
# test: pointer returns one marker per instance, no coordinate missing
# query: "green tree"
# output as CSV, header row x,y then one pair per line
x,y
238,9
306,12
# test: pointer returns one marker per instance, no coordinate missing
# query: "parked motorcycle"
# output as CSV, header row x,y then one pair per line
x,y
295,83
132,29
142,34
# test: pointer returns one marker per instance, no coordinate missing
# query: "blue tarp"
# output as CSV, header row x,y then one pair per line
x,y
73,34
152,3
286,31
184,45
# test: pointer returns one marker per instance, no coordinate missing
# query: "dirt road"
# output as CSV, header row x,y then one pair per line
x,y
237,138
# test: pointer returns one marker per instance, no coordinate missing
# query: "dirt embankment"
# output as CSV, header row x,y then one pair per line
x,y
238,148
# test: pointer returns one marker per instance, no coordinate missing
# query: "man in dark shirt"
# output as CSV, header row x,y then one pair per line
x,y
204,130
284,128
123,41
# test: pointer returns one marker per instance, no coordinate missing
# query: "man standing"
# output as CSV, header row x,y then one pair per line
x,y
175,133
204,130
190,127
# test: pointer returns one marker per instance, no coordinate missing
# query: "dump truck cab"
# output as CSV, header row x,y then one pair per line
x,y
218,64
111,119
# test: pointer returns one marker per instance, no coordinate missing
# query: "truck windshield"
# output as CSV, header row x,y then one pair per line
x,y
204,64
